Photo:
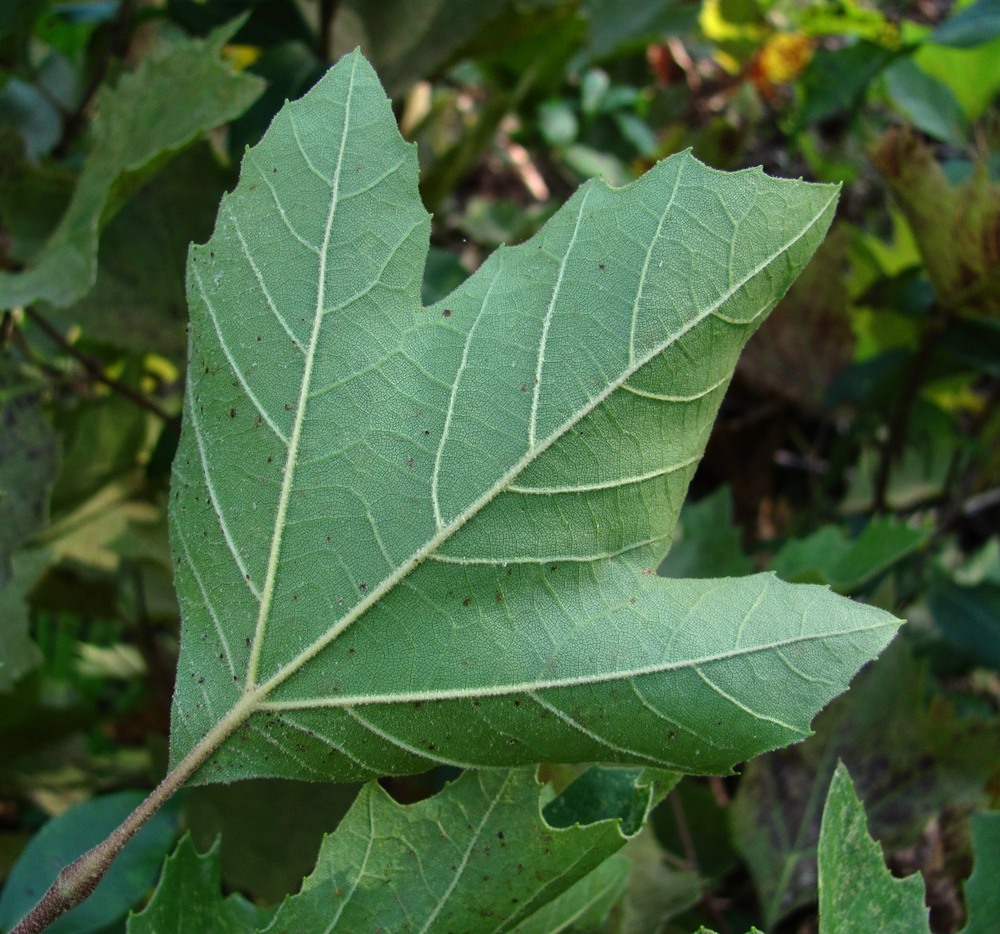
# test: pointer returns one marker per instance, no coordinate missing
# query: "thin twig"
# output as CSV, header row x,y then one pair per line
x,y
96,372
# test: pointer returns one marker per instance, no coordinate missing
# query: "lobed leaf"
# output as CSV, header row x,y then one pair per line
x,y
407,536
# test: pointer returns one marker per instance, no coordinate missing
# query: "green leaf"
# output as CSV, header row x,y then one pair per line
x,y
857,893
484,854
708,543
969,617
267,856
982,896
164,105
828,557
187,898
409,536
66,837
926,102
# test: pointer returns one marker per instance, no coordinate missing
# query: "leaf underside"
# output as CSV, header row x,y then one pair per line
x,y
407,536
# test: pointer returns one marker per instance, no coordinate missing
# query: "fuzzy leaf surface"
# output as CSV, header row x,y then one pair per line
x,y
407,536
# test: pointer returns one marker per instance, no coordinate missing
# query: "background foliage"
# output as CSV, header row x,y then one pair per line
x,y
857,447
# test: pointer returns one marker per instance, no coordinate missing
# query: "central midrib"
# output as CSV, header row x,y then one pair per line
x,y
267,594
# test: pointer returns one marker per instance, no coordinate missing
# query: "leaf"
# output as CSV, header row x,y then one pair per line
x,y
709,542
187,898
65,837
828,557
969,617
982,897
857,893
486,858
952,224
410,536
164,105
267,856
926,102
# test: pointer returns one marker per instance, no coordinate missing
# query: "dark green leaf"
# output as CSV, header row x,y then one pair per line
x,y
972,25
829,557
707,543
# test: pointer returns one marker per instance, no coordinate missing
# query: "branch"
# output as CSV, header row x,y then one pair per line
x,y
327,14
96,371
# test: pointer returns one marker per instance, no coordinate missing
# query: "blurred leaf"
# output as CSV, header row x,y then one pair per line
x,y
32,198
614,27
926,102
973,74
484,852
187,899
164,105
656,892
37,120
410,39
982,894
972,25
857,893
68,836
102,439
827,556
969,617
836,80
706,541
29,458
269,855
138,301
974,341
443,273
929,759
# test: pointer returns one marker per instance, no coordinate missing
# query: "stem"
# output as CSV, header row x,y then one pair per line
x,y
78,880
94,369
